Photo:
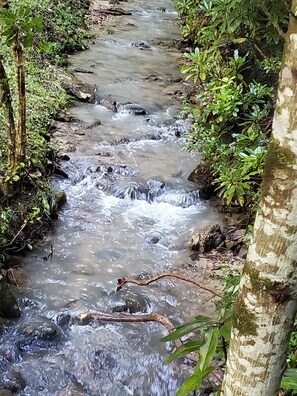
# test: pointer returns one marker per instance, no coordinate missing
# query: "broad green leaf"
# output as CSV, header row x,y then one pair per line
x,y
289,380
180,331
183,350
189,385
208,349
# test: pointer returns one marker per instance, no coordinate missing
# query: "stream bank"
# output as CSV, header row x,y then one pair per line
x,y
130,211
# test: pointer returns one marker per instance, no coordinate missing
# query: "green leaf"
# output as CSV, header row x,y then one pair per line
x,y
225,330
28,40
189,385
208,349
289,380
180,331
183,350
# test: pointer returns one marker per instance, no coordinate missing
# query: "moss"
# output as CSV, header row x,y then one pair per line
x,y
243,320
258,283
277,158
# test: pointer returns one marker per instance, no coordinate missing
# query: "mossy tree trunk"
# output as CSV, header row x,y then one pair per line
x,y
21,141
266,304
6,103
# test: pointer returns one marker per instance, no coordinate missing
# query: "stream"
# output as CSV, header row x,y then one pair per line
x,y
130,212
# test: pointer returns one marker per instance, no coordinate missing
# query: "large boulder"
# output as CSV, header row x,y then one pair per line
x,y
9,307
207,239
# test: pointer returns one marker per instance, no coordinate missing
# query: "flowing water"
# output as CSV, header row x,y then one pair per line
x,y
130,211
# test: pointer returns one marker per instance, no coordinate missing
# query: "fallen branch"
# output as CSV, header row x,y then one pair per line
x,y
151,317
123,281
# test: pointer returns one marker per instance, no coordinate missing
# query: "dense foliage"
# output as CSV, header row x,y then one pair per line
x,y
233,65
62,29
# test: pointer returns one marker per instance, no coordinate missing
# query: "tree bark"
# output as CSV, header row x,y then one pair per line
x,y
266,304
21,142
6,103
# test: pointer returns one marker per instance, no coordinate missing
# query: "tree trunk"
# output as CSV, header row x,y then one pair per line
x,y
266,304
21,103
6,103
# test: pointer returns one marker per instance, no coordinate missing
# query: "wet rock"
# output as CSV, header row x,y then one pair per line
x,y
73,390
41,328
132,190
153,240
60,198
41,333
142,45
85,71
104,154
64,117
202,177
153,77
116,11
8,304
131,302
133,109
235,239
109,104
103,359
207,239
73,86
15,276
94,124
243,251
5,392
60,172
12,381
63,319
63,157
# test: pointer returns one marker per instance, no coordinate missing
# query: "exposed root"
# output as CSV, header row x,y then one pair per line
x,y
123,281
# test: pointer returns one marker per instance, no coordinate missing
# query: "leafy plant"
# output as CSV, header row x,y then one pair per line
x,y
237,47
206,348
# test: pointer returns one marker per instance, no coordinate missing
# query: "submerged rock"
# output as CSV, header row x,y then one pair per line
x,y
5,392
133,109
207,239
131,302
8,304
60,198
41,333
12,381
142,45
108,103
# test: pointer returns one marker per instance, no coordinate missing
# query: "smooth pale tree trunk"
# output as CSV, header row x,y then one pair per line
x,y
266,304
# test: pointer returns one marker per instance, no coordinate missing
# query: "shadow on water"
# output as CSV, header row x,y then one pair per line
x,y
130,211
